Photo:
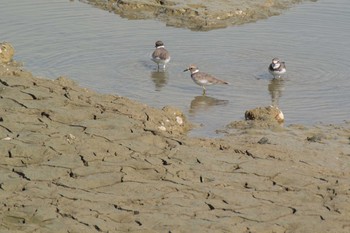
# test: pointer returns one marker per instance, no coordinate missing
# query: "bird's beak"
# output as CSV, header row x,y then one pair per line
x,y
186,70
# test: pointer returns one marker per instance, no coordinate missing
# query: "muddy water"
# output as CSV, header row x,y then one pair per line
x,y
111,55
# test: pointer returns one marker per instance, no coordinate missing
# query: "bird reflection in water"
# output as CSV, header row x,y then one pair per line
x,y
160,79
204,102
275,88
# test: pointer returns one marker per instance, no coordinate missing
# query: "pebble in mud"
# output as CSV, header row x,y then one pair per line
x,y
264,140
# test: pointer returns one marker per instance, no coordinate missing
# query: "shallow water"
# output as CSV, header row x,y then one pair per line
x,y
109,54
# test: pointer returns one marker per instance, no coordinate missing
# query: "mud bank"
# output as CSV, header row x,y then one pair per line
x,y
196,15
73,160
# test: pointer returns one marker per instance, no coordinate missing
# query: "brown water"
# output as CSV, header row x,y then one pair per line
x,y
109,54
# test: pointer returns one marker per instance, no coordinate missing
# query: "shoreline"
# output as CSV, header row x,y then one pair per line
x,y
74,160
194,15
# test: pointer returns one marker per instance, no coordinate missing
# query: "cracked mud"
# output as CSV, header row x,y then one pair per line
x,y
73,160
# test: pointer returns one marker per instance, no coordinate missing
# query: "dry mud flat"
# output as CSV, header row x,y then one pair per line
x,y
73,160
194,14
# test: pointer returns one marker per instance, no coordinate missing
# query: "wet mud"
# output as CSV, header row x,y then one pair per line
x,y
197,15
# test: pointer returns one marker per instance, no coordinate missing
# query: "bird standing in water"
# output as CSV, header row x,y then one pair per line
x,y
277,68
160,55
203,79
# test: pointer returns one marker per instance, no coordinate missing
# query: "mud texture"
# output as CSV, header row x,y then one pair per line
x,y
73,160
6,52
196,15
269,113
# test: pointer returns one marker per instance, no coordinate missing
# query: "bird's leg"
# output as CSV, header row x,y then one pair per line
x,y
204,90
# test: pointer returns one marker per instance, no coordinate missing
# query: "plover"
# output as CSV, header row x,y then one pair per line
x,y
160,55
203,79
277,68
